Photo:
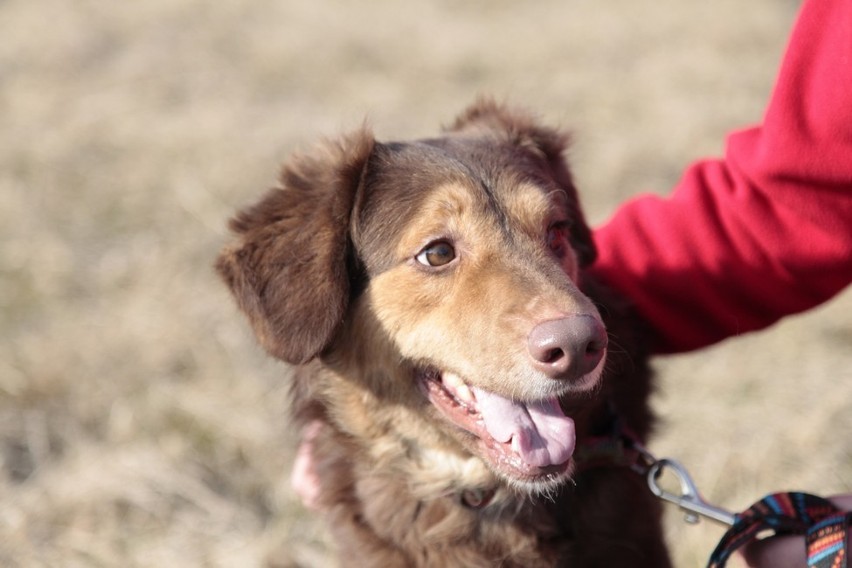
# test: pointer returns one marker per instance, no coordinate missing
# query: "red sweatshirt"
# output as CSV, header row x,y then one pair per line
x,y
763,233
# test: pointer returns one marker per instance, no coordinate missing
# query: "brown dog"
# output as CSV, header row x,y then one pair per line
x,y
430,293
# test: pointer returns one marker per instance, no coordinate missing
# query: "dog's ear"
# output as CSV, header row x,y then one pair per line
x,y
521,129
289,269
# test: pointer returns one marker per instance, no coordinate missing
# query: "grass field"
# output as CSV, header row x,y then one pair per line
x,y
139,423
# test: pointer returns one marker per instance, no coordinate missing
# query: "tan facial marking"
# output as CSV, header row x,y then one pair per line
x,y
530,209
448,212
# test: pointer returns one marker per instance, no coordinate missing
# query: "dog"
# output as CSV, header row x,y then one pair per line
x,y
435,299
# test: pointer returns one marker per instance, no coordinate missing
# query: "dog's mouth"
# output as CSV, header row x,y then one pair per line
x,y
527,442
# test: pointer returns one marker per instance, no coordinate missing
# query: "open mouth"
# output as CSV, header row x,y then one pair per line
x,y
527,442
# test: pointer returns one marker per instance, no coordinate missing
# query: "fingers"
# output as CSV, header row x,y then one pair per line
x,y
785,551
304,478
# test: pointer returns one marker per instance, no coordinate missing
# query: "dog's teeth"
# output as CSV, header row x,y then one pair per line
x,y
464,393
457,386
452,381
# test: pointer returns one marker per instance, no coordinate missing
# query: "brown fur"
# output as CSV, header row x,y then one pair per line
x,y
325,269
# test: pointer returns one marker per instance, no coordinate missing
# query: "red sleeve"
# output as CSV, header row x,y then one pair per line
x,y
763,233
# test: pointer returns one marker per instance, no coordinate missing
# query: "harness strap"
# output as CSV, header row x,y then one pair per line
x,y
825,528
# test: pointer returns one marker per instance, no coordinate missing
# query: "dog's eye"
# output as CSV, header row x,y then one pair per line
x,y
557,238
436,254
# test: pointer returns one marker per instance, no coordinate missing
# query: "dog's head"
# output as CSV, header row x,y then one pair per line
x,y
437,276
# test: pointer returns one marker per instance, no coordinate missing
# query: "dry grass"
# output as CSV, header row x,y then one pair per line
x,y
139,424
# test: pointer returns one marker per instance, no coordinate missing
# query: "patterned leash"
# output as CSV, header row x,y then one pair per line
x,y
824,526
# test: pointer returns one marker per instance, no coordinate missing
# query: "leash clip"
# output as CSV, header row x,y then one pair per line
x,y
689,500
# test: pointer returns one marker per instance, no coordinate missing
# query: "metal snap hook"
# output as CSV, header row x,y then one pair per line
x,y
689,500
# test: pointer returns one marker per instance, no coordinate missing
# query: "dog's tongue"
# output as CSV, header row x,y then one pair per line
x,y
540,432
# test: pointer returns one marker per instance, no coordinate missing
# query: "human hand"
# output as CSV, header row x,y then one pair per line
x,y
785,551
304,478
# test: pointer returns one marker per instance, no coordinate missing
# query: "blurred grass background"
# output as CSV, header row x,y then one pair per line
x,y
140,425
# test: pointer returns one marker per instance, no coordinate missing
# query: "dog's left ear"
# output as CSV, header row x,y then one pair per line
x,y
290,269
522,130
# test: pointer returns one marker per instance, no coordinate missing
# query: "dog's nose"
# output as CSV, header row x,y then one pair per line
x,y
569,347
